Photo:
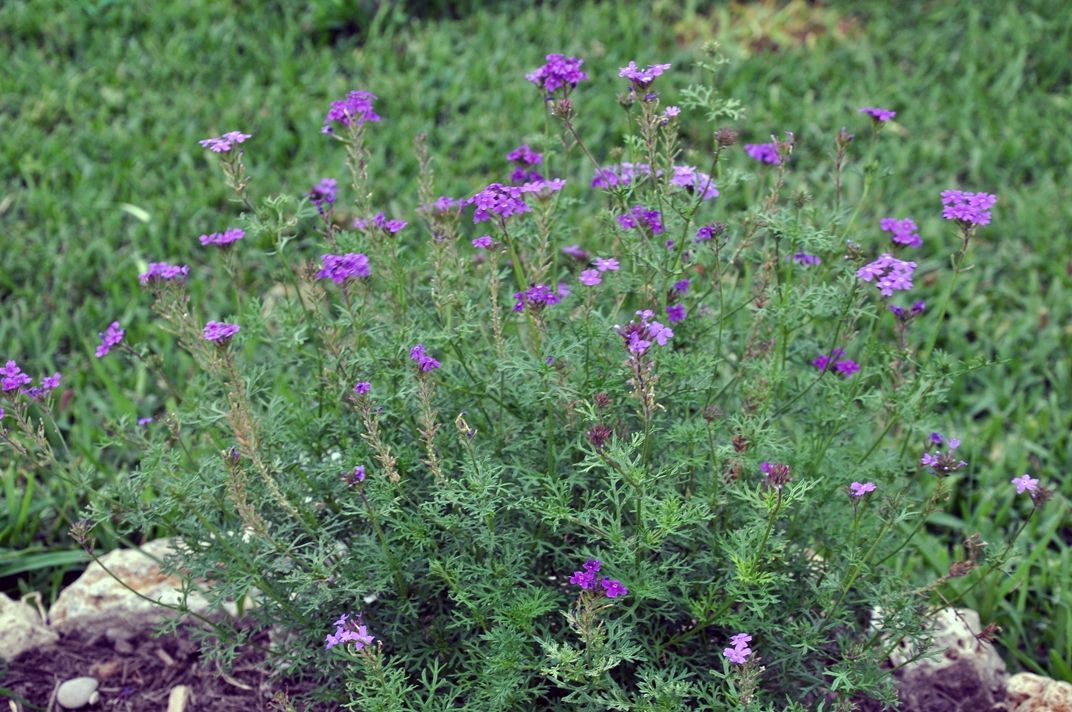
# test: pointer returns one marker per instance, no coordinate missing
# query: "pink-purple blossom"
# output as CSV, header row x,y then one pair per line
x,y
1025,483
709,232
558,71
349,630
425,361
324,193
163,272
380,222
589,277
224,143
362,387
805,259
764,153
612,588
484,242
622,174
902,231
525,156
889,274
844,366
879,115
607,264
340,268
110,338
576,252
675,313
940,462
640,217
498,200
13,377
223,239
967,208
586,576
355,109
220,332
695,181
858,489
354,477
640,333
740,651
538,296
642,78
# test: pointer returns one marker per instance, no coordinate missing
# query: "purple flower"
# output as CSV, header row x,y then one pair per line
x,y
671,112
967,208
163,272
844,366
537,296
1025,483
613,588
220,332
640,217
709,232
642,78
805,259
425,363
943,463
764,153
681,286
576,252
498,199
740,651
339,268
443,204
145,421
903,231
622,174
484,242
323,193
559,71
110,338
889,274
525,156
696,181
225,238
857,489
640,334
224,143
362,387
936,438
675,313
543,188
355,477
349,630
381,222
607,264
879,115
586,577
590,278
355,109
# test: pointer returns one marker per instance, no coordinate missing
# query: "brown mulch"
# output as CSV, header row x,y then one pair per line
x,y
138,675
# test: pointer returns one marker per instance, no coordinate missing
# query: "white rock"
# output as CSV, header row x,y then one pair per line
x,y
21,629
179,698
1034,693
77,693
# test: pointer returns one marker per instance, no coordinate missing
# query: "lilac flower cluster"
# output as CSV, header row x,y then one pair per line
x,y
379,221
592,277
943,463
355,109
558,71
804,258
576,252
543,188
110,338
967,208
356,477
340,268
484,242
642,78
524,158
707,233
889,274
622,174
1025,483
675,313
902,232
640,217
220,332
224,143
696,181
48,384
844,366
778,473
442,205
498,199
425,362
586,578
539,296
879,115
640,335
362,387
764,153
163,272
223,239
740,651
323,194
13,378
349,630
857,489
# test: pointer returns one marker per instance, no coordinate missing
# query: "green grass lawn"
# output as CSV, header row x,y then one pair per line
x,y
102,105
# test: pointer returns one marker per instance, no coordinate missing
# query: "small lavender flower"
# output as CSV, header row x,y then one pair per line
x,y
642,78
355,477
640,217
559,71
844,366
13,377
639,335
857,489
525,156
612,588
576,252
805,259
484,242
355,109
498,199
590,278
695,181
324,193
542,189
764,153
163,272
967,208
586,576
622,174
223,239
110,338
340,268
709,232
943,463
537,296
879,115
1025,483
671,112
362,387
425,362
349,630
675,313
889,274
220,332
740,651
143,422
607,264
902,232
224,143
381,222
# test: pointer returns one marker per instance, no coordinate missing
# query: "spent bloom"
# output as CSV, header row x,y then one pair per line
x,y
110,338
857,489
764,153
558,71
381,222
224,143
220,332
967,208
424,361
223,239
695,181
163,272
355,109
498,199
889,274
642,78
349,630
1025,483
339,268
740,651
879,115
640,217
13,377
903,231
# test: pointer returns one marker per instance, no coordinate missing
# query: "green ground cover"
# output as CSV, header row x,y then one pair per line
x,y
102,105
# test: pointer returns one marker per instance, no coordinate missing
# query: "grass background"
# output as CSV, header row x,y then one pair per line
x,y
102,104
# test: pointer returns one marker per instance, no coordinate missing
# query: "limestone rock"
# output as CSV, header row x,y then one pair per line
x,y
77,693
1034,693
21,628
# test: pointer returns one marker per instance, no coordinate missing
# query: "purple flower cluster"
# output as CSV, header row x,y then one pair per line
x,y
642,78
640,217
740,651
707,233
1025,483
484,242
498,199
622,174
362,387
588,574
13,377
442,205
163,272
804,258
424,362
339,268
110,338
590,278
223,239
764,153
640,334
220,332
576,252
224,143
696,181
559,71
355,477
857,489
943,463
902,232
380,222
538,296
844,366
323,194
967,208
675,313
355,109
48,384
671,112
524,158
778,473
889,274
349,630
879,115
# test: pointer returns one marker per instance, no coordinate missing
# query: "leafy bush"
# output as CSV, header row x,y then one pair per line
x,y
673,468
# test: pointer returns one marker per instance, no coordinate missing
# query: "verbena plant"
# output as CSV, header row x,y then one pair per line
x,y
600,436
